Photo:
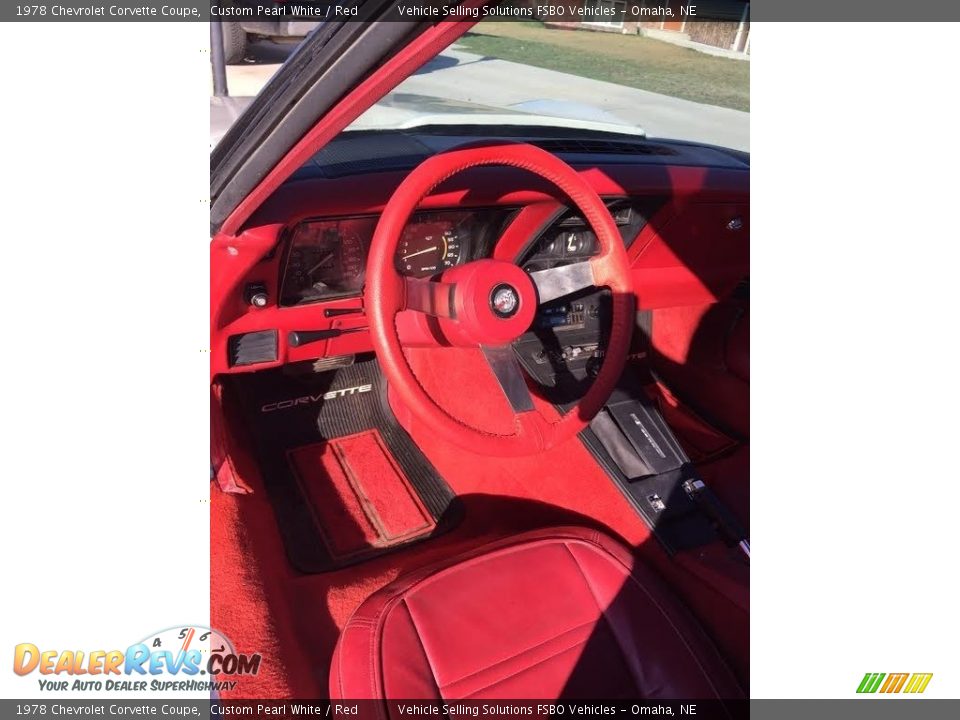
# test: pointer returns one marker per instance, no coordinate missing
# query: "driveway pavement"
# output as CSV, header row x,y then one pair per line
x,y
488,81
464,76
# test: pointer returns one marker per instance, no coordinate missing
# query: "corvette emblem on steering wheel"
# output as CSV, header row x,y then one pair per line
x,y
504,300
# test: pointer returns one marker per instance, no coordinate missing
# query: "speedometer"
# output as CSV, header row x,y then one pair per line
x,y
432,243
326,258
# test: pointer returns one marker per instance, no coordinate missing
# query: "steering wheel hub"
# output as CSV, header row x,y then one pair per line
x,y
494,302
505,301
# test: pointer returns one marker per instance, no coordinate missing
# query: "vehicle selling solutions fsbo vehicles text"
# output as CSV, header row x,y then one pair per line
x,y
584,12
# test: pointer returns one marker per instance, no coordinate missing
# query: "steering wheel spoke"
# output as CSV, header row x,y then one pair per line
x,y
564,280
506,368
430,298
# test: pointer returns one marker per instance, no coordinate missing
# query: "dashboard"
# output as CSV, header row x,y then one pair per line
x,y
326,258
289,287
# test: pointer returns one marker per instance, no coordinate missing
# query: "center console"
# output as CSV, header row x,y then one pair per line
x,y
629,437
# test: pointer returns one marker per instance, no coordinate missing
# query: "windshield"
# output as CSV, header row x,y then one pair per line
x,y
636,78
687,80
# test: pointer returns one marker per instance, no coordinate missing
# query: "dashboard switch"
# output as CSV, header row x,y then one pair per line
x,y
298,338
337,312
255,294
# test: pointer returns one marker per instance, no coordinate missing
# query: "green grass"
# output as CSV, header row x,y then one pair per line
x,y
628,60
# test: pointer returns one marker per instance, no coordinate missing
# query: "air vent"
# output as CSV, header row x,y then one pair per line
x,y
622,215
603,147
252,348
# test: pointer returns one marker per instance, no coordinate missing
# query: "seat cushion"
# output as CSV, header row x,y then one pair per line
x,y
563,613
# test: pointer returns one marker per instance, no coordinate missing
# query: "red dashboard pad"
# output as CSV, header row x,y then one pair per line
x,y
361,500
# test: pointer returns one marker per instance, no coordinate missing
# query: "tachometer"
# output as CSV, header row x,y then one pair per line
x,y
431,244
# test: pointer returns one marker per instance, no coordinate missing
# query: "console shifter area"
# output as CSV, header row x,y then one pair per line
x,y
636,446
629,437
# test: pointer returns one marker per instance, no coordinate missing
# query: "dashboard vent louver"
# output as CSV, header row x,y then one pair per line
x,y
252,348
603,147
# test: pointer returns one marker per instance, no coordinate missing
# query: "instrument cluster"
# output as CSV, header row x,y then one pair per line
x,y
327,258
570,239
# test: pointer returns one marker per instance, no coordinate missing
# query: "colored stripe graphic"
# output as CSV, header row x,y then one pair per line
x,y
894,682
870,682
918,682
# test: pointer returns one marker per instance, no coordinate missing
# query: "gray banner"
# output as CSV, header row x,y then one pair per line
x,y
872,708
352,709
560,11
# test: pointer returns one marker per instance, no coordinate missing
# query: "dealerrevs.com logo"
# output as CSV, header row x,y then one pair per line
x,y
909,683
182,659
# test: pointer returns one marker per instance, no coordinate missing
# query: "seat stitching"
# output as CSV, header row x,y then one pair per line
x,y
600,608
658,607
594,541
525,669
340,671
521,652
373,652
676,630
361,623
416,628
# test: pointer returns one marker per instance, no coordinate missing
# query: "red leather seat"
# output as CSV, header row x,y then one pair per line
x,y
563,613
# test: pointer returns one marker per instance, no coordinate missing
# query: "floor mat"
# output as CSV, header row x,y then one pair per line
x,y
362,500
345,481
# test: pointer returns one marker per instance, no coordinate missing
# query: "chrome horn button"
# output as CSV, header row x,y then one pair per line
x,y
504,300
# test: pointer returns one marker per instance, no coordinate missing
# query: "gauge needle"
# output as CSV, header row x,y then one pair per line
x,y
319,264
419,252
186,642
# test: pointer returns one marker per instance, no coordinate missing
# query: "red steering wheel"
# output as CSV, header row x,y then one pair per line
x,y
490,303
